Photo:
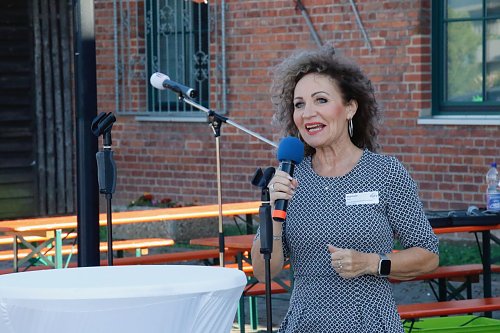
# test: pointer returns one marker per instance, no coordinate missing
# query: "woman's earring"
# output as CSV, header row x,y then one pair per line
x,y
299,137
350,128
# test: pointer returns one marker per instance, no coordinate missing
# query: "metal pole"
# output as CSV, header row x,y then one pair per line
x,y
360,24
305,14
86,110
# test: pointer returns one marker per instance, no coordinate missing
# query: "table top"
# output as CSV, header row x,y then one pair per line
x,y
118,282
240,242
152,215
244,242
42,224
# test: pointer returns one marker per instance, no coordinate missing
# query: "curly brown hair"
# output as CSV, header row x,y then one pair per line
x,y
353,85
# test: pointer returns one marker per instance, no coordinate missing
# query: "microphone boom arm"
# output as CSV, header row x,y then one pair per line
x,y
227,120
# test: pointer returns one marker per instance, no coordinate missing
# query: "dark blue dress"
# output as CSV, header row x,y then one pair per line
x,y
364,210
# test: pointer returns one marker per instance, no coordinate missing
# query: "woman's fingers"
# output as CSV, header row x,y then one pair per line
x,y
282,186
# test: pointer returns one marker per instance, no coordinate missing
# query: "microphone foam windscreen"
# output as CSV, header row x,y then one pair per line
x,y
157,79
290,149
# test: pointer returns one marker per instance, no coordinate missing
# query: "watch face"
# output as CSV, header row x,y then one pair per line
x,y
385,267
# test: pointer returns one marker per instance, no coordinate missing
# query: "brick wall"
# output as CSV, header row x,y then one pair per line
x,y
178,160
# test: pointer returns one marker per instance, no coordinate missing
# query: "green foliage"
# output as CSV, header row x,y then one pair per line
x,y
464,62
460,252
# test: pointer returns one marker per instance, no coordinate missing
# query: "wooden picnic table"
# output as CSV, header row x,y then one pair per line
x,y
243,243
52,227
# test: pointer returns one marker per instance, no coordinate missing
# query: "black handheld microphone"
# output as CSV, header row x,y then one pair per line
x,y
161,81
290,152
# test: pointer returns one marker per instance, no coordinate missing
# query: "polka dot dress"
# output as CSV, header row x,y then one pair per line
x,y
321,300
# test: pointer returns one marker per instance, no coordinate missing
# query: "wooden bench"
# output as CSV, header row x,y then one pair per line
x,y
121,245
248,269
467,273
421,310
171,257
8,240
161,258
47,256
49,226
258,289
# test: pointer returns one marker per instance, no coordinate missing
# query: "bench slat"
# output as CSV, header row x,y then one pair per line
x,y
420,310
165,258
248,269
5,240
129,244
447,272
257,289
162,258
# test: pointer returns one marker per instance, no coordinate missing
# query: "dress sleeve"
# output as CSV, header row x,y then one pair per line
x,y
405,210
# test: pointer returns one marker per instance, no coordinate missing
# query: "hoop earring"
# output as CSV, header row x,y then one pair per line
x,y
350,128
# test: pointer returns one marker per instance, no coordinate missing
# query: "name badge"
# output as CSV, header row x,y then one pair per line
x,y
363,198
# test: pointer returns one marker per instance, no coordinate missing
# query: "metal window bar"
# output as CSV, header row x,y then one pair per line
x,y
169,36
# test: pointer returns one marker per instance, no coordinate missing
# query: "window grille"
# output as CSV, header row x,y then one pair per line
x,y
168,36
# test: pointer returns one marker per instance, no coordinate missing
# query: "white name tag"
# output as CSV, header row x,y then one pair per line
x,y
363,198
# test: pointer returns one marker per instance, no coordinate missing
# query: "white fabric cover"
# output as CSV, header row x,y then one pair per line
x,y
150,298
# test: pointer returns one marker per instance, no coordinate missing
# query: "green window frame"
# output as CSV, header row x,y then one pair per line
x,y
177,44
466,57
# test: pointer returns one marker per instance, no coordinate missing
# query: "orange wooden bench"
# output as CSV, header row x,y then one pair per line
x,y
50,226
47,257
257,289
171,257
248,269
451,273
121,245
8,240
161,258
467,273
421,310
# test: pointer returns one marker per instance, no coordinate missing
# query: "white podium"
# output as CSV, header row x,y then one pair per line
x,y
121,299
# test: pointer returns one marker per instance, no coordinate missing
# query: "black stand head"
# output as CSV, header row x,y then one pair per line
x,y
102,125
216,121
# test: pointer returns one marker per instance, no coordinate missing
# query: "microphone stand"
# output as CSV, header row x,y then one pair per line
x,y
106,167
266,235
216,121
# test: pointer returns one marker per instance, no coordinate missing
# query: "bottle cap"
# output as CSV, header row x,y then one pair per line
x,y
494,164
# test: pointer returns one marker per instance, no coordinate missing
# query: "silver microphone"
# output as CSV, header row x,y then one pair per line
x,y
161,81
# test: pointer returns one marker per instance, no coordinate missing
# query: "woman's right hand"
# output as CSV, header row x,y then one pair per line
x,y
282,186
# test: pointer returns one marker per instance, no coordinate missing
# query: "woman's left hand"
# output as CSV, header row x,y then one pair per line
x,y
350,263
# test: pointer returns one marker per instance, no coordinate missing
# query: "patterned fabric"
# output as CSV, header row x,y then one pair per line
x,y
317,215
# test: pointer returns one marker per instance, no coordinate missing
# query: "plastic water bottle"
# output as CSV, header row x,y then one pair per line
x,y
492,193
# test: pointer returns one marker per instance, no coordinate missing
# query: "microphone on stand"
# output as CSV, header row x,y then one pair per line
x,y
162,82
261,179
290,152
